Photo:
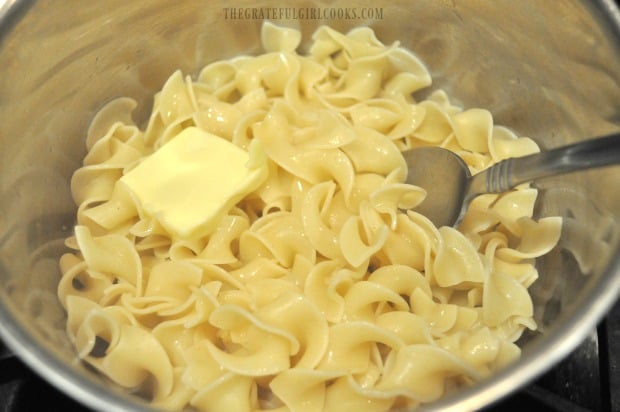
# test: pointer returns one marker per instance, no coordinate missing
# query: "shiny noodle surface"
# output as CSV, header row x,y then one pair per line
x,y
324,289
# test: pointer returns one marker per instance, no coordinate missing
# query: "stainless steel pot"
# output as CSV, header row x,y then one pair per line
x,y
550,70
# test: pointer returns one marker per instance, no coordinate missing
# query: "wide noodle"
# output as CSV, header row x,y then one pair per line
x,y
323,290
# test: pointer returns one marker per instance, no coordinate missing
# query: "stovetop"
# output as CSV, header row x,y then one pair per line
x,y
586,381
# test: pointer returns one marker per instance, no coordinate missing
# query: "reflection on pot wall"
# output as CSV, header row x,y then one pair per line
x,y
30,246
57,72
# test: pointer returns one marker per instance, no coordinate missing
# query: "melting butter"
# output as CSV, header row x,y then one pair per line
x,y
192,181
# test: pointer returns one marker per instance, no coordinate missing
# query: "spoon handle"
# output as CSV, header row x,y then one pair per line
x,y
507,174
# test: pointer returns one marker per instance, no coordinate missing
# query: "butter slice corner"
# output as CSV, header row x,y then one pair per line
x,y
193,180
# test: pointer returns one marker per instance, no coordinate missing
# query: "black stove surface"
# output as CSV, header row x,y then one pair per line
x,y
586,381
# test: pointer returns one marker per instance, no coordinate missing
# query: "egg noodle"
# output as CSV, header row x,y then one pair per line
x,y
323,289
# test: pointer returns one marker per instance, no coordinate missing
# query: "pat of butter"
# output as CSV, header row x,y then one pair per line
x,y
192,181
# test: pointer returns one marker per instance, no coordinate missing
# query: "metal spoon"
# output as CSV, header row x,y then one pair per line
x,y
450,186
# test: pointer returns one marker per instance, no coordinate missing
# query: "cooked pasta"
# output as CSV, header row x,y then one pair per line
x,y
322,288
